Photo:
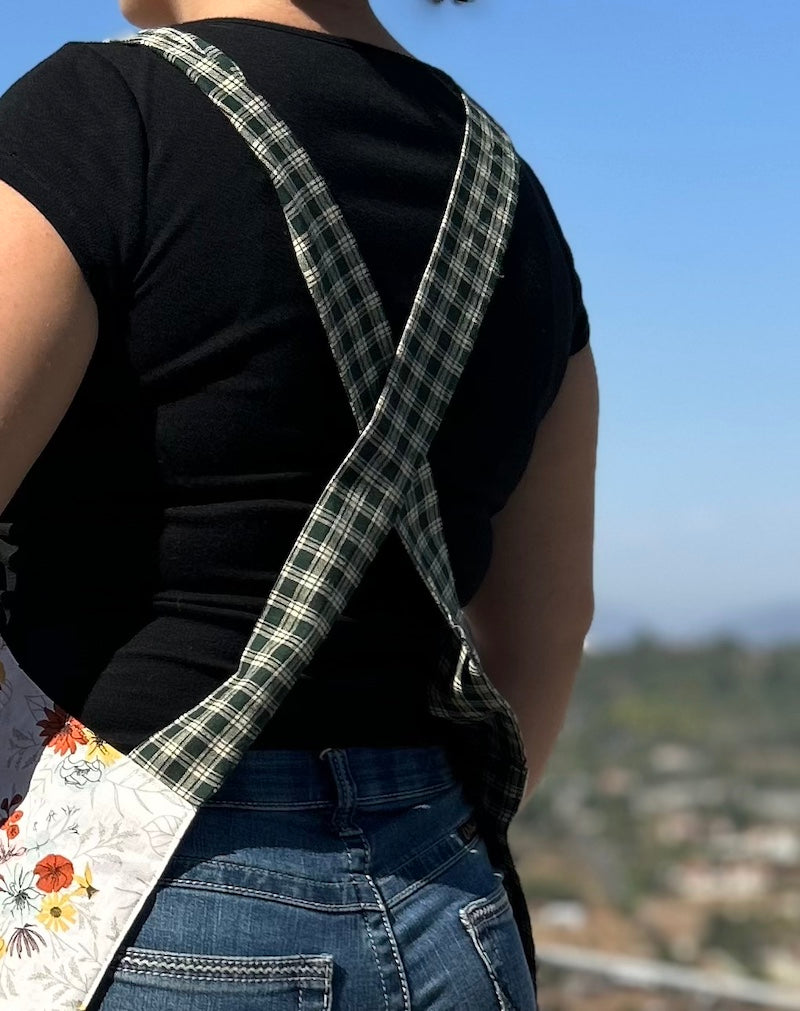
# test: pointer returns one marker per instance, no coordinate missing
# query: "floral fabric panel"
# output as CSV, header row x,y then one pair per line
x,y
85,834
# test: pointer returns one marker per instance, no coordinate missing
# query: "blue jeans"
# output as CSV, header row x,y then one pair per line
x,y
353,880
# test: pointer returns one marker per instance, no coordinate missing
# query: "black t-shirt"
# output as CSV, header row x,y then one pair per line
x,y
142,545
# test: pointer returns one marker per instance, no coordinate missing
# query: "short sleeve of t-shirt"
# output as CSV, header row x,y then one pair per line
x,y
77,152
581,327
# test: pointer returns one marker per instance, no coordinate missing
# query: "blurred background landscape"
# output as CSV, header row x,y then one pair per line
x,y
667,828
661,852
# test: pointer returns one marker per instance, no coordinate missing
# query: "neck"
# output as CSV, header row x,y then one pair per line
x,y
352,19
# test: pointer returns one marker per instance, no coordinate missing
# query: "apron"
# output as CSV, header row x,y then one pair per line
x,y
88,831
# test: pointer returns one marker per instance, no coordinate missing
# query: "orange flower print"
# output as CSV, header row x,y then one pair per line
x,y
9,826
54,873
60,731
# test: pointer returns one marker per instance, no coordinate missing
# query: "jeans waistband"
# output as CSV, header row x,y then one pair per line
x,y
378,777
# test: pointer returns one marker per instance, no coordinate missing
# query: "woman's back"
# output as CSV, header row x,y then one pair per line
x,y
213,415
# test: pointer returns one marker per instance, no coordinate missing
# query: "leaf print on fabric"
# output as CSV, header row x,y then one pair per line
x,y
54,872
65,983
161,831
27,935
7,987
60,731
24,749
57,912
78,772
37,703
7,806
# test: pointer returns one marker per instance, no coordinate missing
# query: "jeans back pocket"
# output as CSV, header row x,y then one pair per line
x,y
491,925
166,981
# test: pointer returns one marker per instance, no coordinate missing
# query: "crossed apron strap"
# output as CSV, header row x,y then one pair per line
x,y
397,396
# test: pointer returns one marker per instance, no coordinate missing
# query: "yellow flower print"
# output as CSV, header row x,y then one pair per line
x,y
84,883
57,913
2,947
100,749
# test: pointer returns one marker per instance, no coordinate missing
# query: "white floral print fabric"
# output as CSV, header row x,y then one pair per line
x,y
73,806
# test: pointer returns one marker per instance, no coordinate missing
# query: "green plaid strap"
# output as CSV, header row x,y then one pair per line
x,y
366,495
337,277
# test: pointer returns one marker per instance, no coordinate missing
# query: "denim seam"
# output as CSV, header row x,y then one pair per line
x,y
387,926
422,854
401,897
490,908
343,823
214,861
238,964
471,928
420,794
218,979
365,917
255,805
472,916
253,893
379,800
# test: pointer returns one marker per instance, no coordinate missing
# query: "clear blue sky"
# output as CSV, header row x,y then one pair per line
x,y
667,134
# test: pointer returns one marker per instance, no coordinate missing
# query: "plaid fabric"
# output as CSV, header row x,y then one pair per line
x,y
398,394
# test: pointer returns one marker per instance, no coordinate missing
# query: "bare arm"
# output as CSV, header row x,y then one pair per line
x,y
534,608
48,330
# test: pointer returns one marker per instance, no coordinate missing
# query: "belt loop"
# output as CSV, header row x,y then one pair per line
x,y
346,795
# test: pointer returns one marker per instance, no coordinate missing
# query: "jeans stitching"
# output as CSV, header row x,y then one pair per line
x,y
401,971
366,802
211,979
214,861
465,915
288,974
490,909
343,822
473,915
252,893
255,805
421,793
309,965
439,841
369,930
418,883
